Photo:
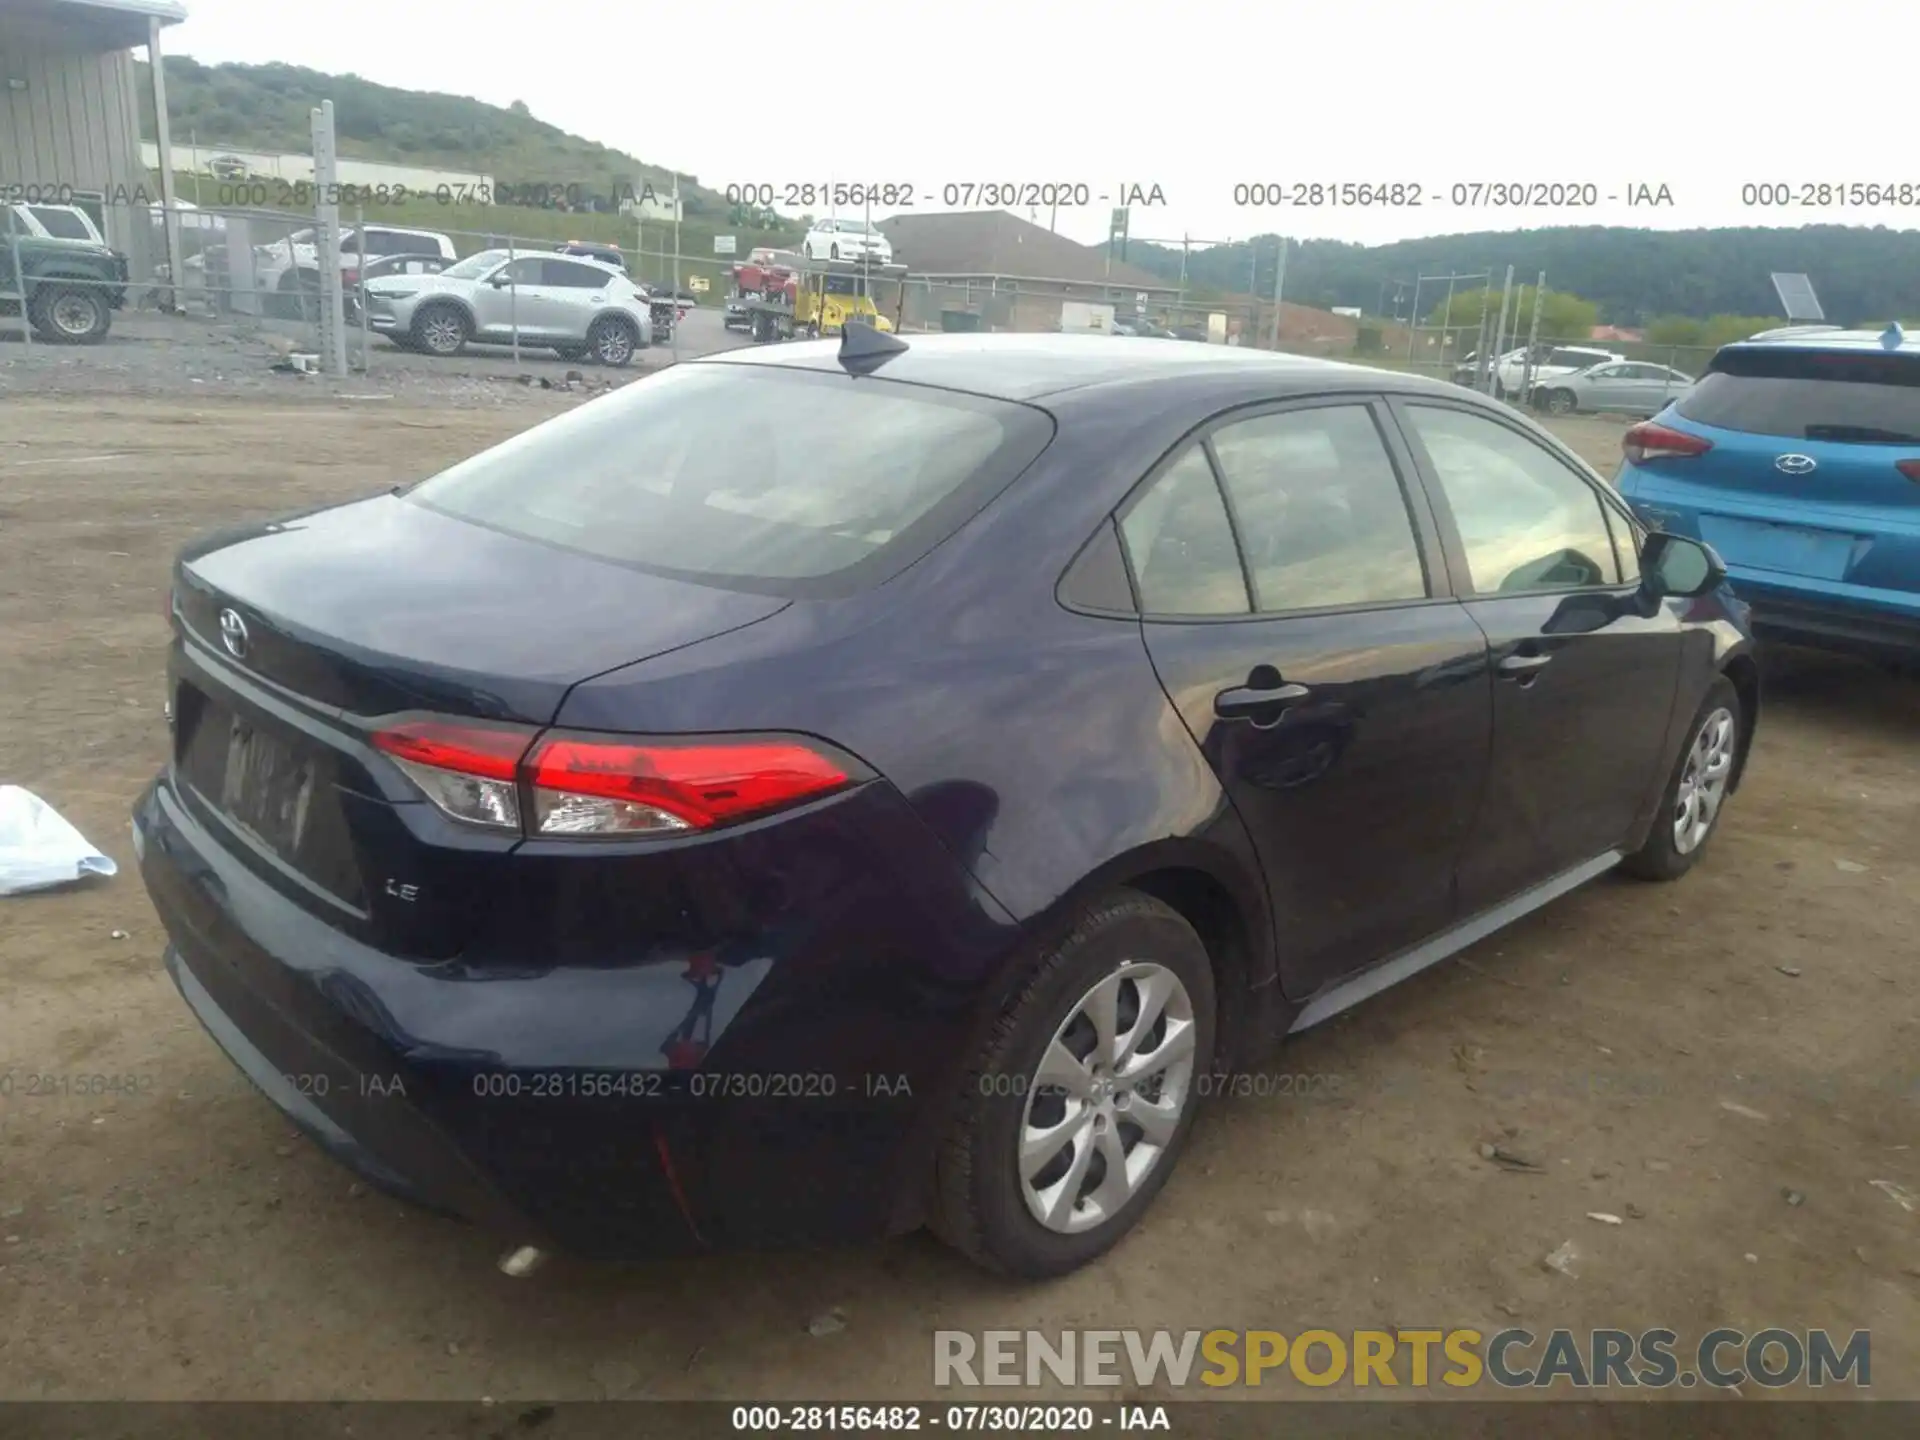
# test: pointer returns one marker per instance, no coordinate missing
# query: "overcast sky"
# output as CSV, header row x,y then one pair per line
x,y
1195,97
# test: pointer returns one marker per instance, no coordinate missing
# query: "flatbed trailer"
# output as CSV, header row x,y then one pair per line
x,y
822,296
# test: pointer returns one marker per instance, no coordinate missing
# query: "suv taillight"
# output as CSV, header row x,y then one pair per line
x,y
599,785
1648,441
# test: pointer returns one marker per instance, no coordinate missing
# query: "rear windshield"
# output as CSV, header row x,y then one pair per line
x,y
62,224
1861,396
752,477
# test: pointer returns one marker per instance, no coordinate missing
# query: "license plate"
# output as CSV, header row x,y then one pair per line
x,y
267,789
1790,549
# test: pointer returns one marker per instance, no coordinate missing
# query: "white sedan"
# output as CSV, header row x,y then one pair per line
x,y
846,240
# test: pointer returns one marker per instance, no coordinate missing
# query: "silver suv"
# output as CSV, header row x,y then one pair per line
x,y
578,307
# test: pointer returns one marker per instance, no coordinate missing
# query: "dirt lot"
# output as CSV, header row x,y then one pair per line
x,y
181,1243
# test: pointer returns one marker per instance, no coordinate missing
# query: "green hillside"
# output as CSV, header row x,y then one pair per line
x,y
267,107
1861,273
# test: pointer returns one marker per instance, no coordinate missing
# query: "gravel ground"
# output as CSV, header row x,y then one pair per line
x,y
153,355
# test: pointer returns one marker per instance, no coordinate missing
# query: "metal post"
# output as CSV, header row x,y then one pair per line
x,y
19,279
163,140
360,288
1480,342
1279,284
1533,336
1181,294
1446,322
1413,330
1500,330
674,346
513,300
326,210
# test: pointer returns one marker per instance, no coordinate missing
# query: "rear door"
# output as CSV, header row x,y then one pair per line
x,y
1584,678
578,293
1803,481
1287,568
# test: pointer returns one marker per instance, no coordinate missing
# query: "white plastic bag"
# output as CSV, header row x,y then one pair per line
x,y
39,850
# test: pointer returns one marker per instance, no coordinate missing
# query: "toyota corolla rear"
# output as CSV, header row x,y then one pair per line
x,y
616,987
1800,463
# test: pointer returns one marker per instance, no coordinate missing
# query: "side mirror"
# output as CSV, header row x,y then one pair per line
x,y
498,280
1673,565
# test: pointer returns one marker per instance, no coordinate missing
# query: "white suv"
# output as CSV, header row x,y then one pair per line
x,y
290,268
1549,361
847,240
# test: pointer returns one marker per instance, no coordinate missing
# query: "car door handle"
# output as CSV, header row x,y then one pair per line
x,y
1252,702
1519,666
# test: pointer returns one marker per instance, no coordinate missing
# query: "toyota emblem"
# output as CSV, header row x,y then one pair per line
x,y
1794,464
233,633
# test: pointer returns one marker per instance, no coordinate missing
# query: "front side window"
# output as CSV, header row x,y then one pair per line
x,y
1180,544
475,266
1321,515
1526,520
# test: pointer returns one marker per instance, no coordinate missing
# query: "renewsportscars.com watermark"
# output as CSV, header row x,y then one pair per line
x,y
1507,1359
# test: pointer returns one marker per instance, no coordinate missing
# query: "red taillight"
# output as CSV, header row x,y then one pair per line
x,y
585,785
350,278
1908,468
603,785
471,772
492,754
1648,441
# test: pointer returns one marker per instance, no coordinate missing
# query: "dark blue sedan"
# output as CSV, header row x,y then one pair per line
x,y
819,791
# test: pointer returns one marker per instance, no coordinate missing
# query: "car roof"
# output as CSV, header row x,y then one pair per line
x,y
1026,367
1812,337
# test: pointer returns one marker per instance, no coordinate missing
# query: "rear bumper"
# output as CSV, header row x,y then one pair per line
x,y
1874,624
810,1113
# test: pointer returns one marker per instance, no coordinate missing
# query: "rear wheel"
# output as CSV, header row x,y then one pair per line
x,y
1561,402
69,315
1696,791
612,341
1083,1097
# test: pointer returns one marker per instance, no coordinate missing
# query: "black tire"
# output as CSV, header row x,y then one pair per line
x,y
1561,402
613,341
440,329
1661,858
69,315
978,1205
833,252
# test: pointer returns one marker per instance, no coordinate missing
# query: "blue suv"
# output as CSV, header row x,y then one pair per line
x,y
1797,458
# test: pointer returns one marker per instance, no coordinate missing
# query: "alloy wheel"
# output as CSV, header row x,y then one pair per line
x,y
1107,1098
1703,783
614,346
72,315
441,332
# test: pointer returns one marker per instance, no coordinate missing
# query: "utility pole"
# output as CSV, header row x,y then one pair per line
x,y
1500,330
1533,334
1279,284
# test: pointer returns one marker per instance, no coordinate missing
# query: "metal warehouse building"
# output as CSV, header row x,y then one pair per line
x,y
71,105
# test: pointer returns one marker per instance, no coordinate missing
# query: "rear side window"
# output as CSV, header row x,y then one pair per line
x,y
1180,543
751,477
62,224
1863,397
1321,515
